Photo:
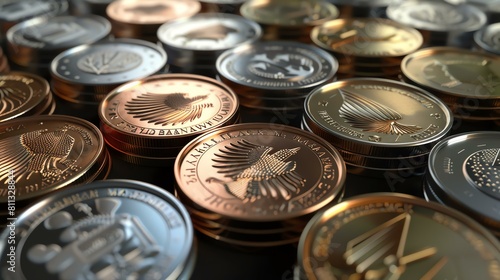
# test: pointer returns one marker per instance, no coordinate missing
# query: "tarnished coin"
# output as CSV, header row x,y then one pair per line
x,y
367,37
22,94
458,76
377,117
464,172
167,109
113,229
46,153
395,236
259,172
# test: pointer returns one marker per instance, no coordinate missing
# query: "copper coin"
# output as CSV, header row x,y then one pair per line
x,y
260,172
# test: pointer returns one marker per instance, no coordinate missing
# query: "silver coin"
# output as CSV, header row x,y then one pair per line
x,y
488,38
15,11
103,230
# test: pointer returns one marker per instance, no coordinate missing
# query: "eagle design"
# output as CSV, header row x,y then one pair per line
x,y
163,109
215,32
256,172
369,115
37,151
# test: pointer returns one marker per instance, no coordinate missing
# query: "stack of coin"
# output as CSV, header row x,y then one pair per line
x,y
111,229
487,39
258,184
467,81
221,6
24,94
380,127
289,19
82,76
275,75
361,8
13,12
441,23
464,173
41,154
395,236
193,44
367,47
4,62
148,121
33,44
140,19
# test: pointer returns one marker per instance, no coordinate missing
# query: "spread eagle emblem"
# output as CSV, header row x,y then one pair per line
x,y
369,115
256,171
164,109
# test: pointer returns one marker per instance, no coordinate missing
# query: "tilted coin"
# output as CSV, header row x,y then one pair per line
x,y
464,172
457,76
46,153
377,117
488,38
396,236
111,229
21,94
259,172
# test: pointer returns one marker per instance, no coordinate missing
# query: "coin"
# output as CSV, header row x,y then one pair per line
x,y
46,153
377,117
488,38
110,229
382,235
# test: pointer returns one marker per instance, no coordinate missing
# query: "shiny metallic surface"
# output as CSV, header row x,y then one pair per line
x,y
488,38
380,235
110,229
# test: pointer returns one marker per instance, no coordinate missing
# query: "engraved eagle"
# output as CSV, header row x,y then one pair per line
x,y
11,99
369,115
37,151
215,32
164,109
256,172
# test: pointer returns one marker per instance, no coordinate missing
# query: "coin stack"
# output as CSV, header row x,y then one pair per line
x,y
221,6
148,121
395,236
288,20
361,8
193,44
82,76
24,94
441,23
464,172
467,81
275,76
111,229
258,184
4,62
141,19
379,126
487,39
367,47
42,154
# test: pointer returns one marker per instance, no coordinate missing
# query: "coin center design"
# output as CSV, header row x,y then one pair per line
x,y
257,171
164,109
281,66
109,62
482,169
441,15
215,32
55,33
11,98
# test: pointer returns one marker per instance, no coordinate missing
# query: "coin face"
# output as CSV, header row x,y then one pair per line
x,y
209,32
45,153
437,15
465,170
17,11
107,229
168,106
488,38
277,65
110,62
289,13
60,32
455,71
151,11
259,172
378,112
20,93
396,236
367,37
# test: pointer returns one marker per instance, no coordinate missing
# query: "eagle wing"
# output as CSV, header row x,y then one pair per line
x,y
14,157
164,109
